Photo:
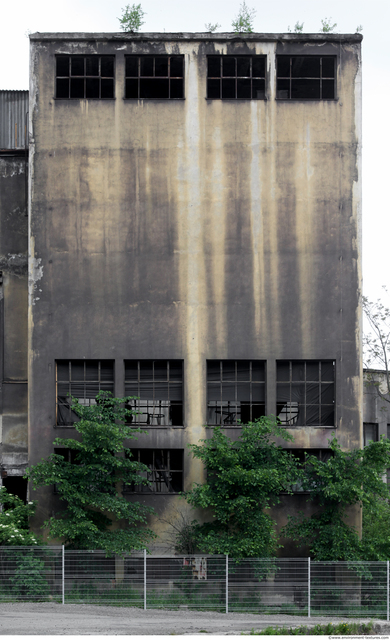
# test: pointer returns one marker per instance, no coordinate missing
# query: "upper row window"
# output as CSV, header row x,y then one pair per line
x,y
228,77
85,77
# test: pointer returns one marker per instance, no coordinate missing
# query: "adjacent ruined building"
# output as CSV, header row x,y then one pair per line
x,y
194,240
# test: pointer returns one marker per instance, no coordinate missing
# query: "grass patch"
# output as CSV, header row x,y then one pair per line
x,y
330,629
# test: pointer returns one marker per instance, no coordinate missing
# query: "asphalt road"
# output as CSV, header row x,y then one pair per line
x,y
76,619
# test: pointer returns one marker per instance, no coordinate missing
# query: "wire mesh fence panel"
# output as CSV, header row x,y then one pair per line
x,y
93,578
30,574
349,589
261,585
181,582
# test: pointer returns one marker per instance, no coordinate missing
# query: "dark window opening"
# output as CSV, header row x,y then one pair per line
x,y
236,77
82,379
306,77
17,485
235,391
69,455
165,470
305,393
158,385
370,433
154,77
79,77
321,454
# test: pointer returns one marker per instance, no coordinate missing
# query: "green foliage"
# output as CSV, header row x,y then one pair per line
x,y
14,520
244,478
347,478
359,28
327,26
330,629
132,18
376,345
298,27
212,27
28,580
376,530
89,486
243,22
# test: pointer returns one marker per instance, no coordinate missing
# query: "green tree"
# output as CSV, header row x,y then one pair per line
x,y
376,346
14,517
376,530
132,18
90,484
244,478
243,22
347,478
327,26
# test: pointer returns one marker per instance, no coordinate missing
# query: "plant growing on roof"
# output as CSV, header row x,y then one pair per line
x,y
327,26
243,22
212,27
132,18
89,483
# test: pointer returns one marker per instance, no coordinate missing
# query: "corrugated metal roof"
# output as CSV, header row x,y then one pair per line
x,y
13,119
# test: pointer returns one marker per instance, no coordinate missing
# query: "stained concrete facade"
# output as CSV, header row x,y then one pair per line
x,y
13,290
194,230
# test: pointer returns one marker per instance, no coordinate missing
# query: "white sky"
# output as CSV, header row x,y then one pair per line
x,y
175,15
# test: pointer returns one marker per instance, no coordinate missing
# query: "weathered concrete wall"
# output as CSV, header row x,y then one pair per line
x,y
13,315
194,229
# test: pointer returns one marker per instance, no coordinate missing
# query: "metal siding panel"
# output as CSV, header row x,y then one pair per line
x,y
13,111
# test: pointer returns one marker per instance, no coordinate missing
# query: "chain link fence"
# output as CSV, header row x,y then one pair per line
x,y
295,586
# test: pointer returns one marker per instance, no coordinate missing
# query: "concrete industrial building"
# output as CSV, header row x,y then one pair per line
x,y
194,240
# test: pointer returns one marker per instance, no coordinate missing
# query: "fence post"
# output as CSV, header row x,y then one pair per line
x,y
388,590
227,583
144,579
308,587
63,574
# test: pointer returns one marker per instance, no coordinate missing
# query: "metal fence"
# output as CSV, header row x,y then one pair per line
x,y
295,586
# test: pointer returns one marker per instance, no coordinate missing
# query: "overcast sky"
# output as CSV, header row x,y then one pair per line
x,y
18,18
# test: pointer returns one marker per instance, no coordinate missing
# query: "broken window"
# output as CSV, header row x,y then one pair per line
x,y
82,379
79,77
236,77
165,470
306,77
17,485
158,385
305,393
235,391
370,433
154,77
301,454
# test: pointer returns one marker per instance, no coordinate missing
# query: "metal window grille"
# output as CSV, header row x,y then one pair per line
x,y
154,77
157,388
82,379
79,77
235,391
305,393
164,470
306,77
236,77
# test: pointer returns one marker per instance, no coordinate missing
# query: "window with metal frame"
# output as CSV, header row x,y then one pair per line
x,y
370,433
306,77
235,391
321,454
82,379
158,389
154,77
79,77
305,392
165,471
236,77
